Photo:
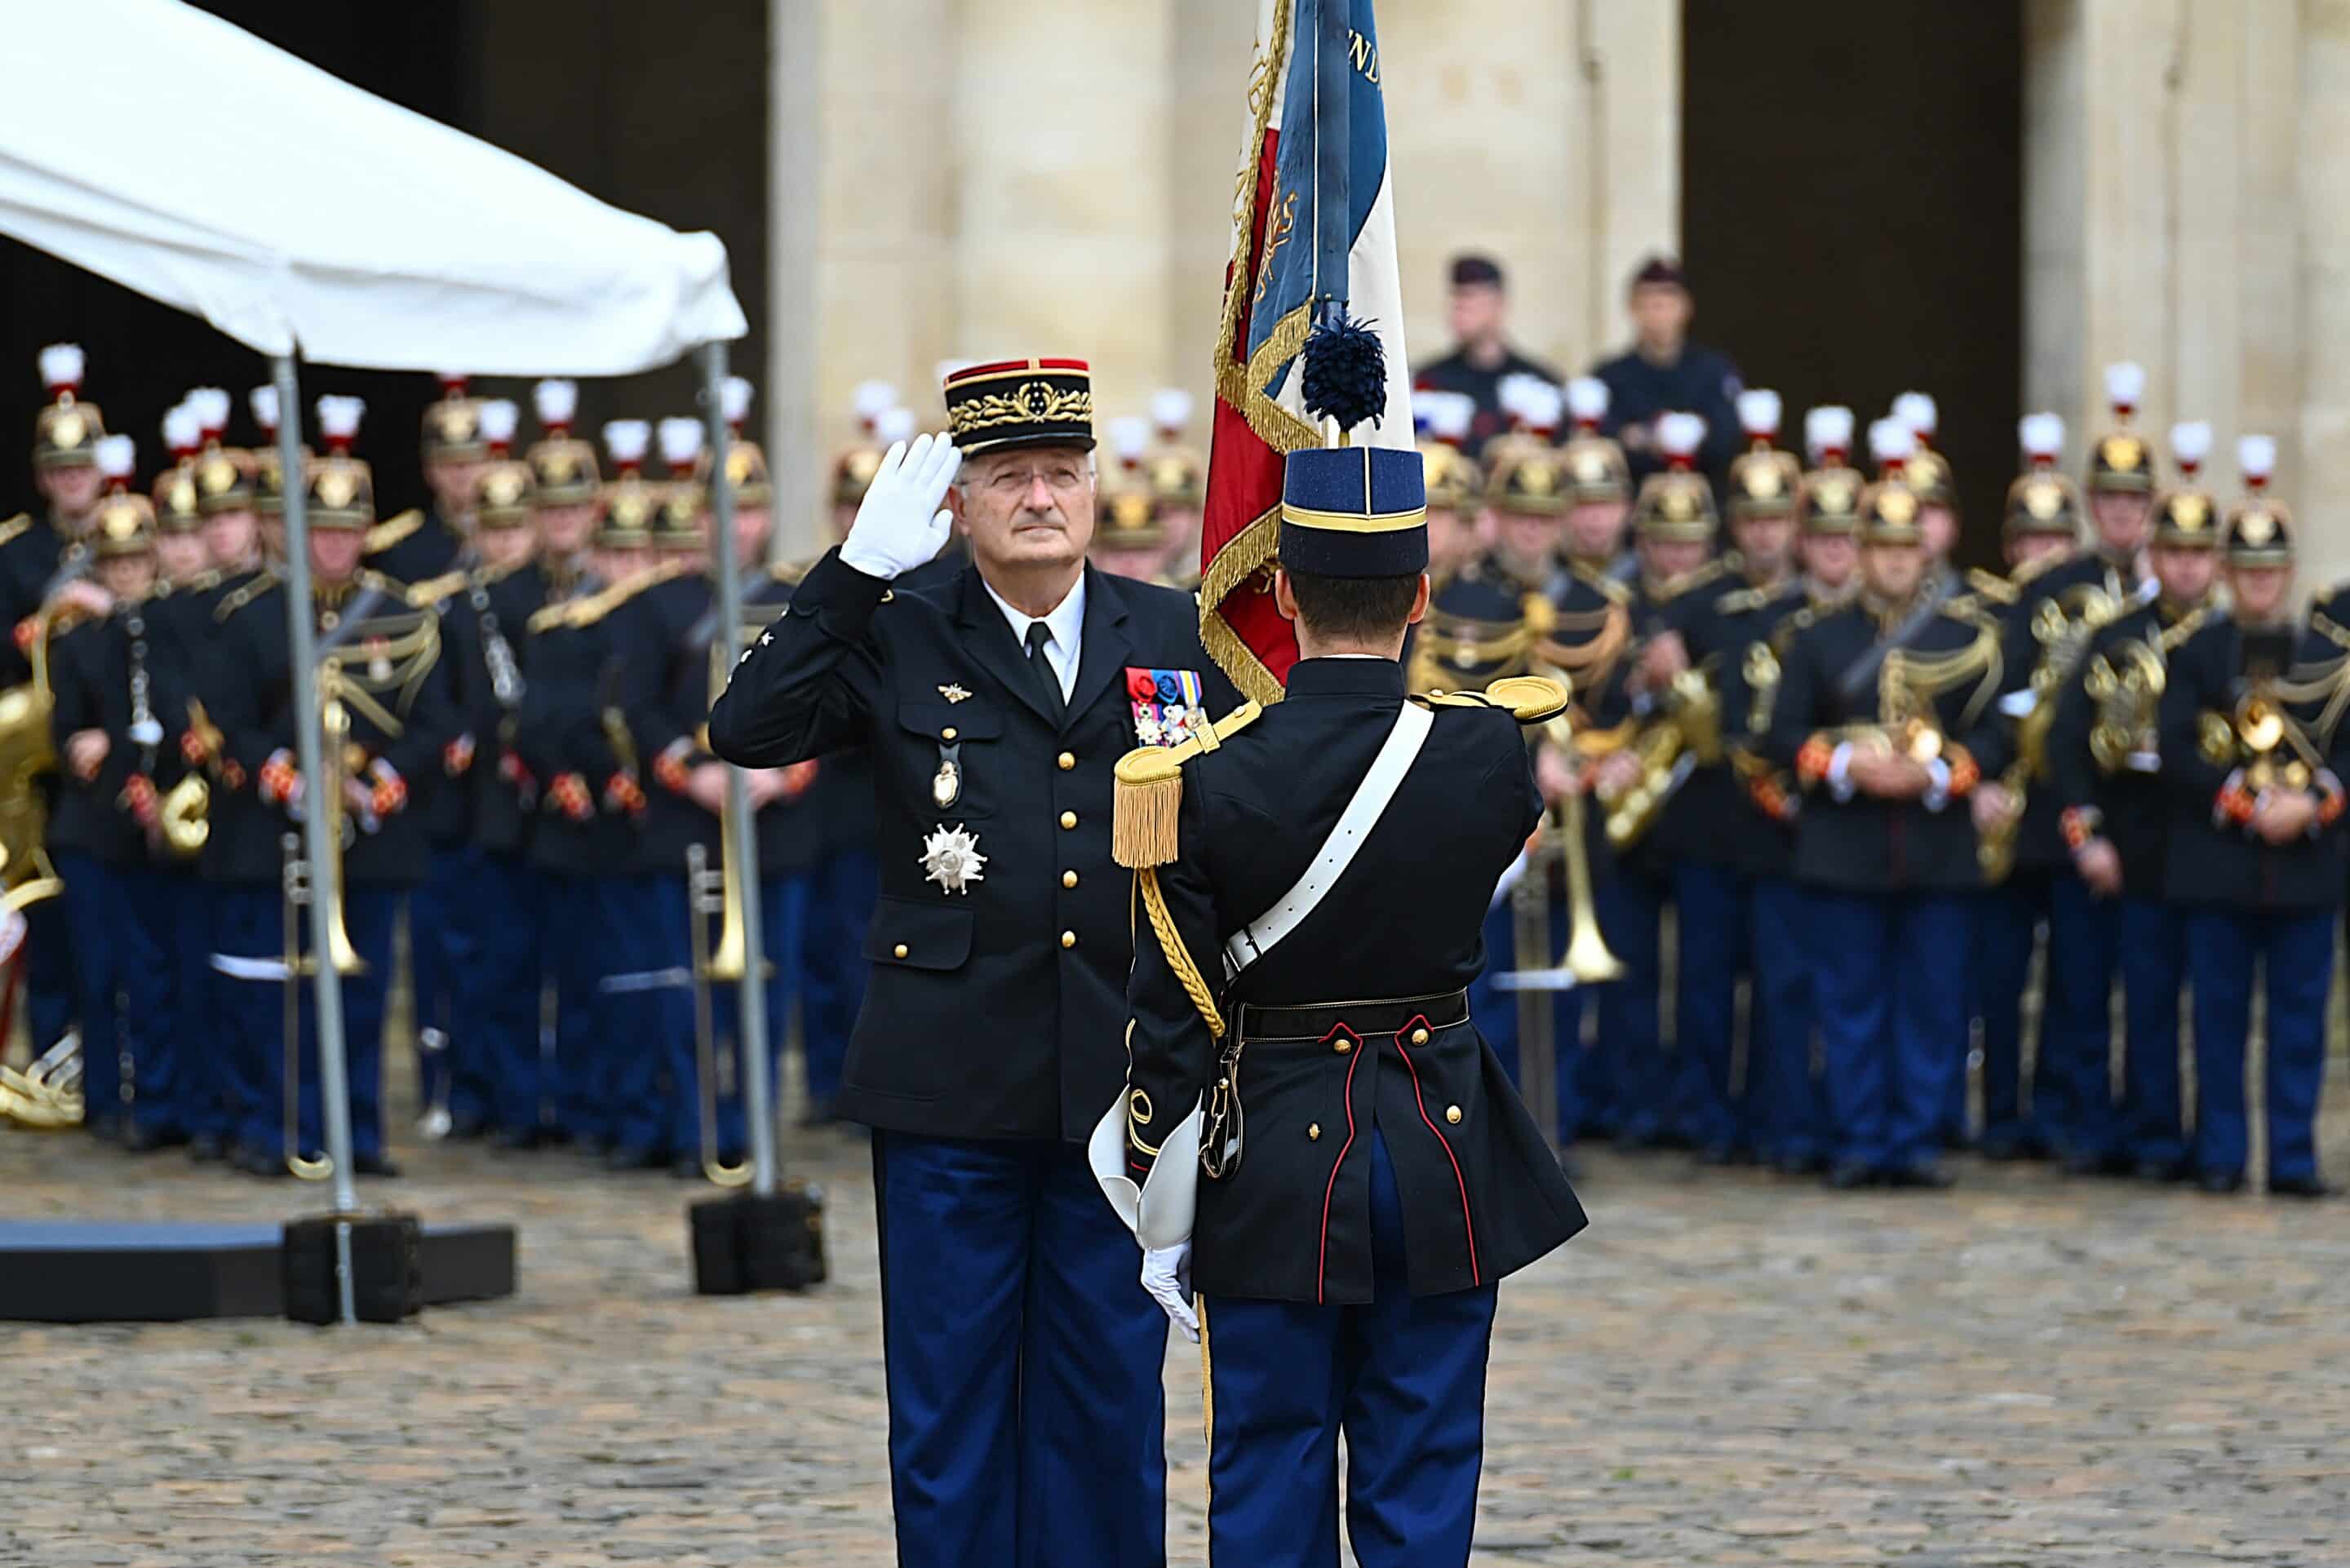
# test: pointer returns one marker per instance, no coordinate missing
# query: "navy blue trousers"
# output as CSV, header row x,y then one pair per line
x,y
1625,1079
48,960
126,980
444,918
2294,950
841,892
247,921
1787,1117
2153,940
1887,991
1404,1380
501,982
1714,951
590,934
252,926
627,1094
2006,928
207,1094
782,903
1024,1360
2077,1031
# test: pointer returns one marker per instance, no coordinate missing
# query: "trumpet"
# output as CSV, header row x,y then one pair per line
x,y
185,813
1585,959
1671,748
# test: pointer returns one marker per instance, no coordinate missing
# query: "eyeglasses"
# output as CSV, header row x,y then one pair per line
x,y
1060,478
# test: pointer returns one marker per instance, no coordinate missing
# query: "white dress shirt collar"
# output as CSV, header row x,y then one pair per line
x,y
1064,623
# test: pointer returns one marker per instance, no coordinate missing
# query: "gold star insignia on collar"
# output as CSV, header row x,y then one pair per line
x,y
954,693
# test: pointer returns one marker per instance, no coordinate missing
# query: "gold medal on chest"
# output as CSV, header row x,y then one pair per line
x,y
946,784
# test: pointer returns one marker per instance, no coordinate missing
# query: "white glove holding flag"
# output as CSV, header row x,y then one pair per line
x,y
899,525
1167,1275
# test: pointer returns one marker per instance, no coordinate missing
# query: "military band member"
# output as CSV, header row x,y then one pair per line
x,y
1377,1175
1599,488
1663,372
2105,766
1177,473
1927,474
1024,1360
557,729
434,554
2254,759
1786,1102
2060,598
418,546
1646,820
109,738
1881,714
1132,541
381,681
1712,875
503,980
44,559
1455,483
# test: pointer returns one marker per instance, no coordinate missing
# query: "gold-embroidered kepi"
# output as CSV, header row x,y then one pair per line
x,y
1013,403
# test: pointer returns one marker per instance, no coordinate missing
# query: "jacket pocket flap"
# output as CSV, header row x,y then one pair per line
x,y
920,933
969,721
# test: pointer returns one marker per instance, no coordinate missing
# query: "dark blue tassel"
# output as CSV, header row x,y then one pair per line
x,y
1345,373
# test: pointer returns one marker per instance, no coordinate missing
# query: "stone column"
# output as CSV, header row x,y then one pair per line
x,y
2176,162
2323,497
1060,129
1208,101
1631,136
793,417
863,205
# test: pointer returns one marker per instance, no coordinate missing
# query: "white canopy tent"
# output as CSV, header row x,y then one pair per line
x,y
186,158
183,158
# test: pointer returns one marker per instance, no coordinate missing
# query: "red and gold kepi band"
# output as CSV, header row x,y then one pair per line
x,y
1014,403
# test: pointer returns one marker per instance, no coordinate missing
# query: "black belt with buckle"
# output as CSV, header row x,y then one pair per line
x,y
1365,1020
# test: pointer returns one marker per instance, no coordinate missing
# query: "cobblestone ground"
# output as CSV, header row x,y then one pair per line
x,y
1727,1369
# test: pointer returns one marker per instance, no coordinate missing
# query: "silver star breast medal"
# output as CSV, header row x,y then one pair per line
x,y
950,857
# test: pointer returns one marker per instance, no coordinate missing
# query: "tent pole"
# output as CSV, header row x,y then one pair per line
x,y
334,1087
752,1022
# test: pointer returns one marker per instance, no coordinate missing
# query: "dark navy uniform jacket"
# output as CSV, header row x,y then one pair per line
x,y
29,548
89,678
1482,1194
1863,844
2068,588
1702,382
2213,860
416,547
995,1013
2129,806
396,850
1744,636
1456,373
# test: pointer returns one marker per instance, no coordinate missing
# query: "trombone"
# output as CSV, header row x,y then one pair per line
x,y
1585,959
300,888
719,893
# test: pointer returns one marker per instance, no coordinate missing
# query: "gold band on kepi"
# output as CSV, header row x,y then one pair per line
x,y
1013,403
1354,512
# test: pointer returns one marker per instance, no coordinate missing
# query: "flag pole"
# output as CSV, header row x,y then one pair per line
x,y
1334,157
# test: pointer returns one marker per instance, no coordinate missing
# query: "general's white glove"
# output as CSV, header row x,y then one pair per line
x,y
1167,1275
899,524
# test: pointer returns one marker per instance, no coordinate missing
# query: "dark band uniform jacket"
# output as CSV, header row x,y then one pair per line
x,y
995,1010
1482,1194
1830,688
2215,858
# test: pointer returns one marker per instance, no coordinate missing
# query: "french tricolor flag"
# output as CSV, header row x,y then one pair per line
x,y
1317,229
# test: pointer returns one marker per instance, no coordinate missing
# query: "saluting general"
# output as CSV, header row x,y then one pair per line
x,y
1022,1357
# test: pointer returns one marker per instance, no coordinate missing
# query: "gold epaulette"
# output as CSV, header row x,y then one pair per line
x,y
1992,585
1148,796
387,533
1529,698
232,603
432,590
789,573
14,526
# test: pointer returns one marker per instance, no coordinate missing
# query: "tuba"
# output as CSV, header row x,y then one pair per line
x,y
48,1093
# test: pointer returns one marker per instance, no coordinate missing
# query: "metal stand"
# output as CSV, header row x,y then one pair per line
x,y
334,1081
758,1084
